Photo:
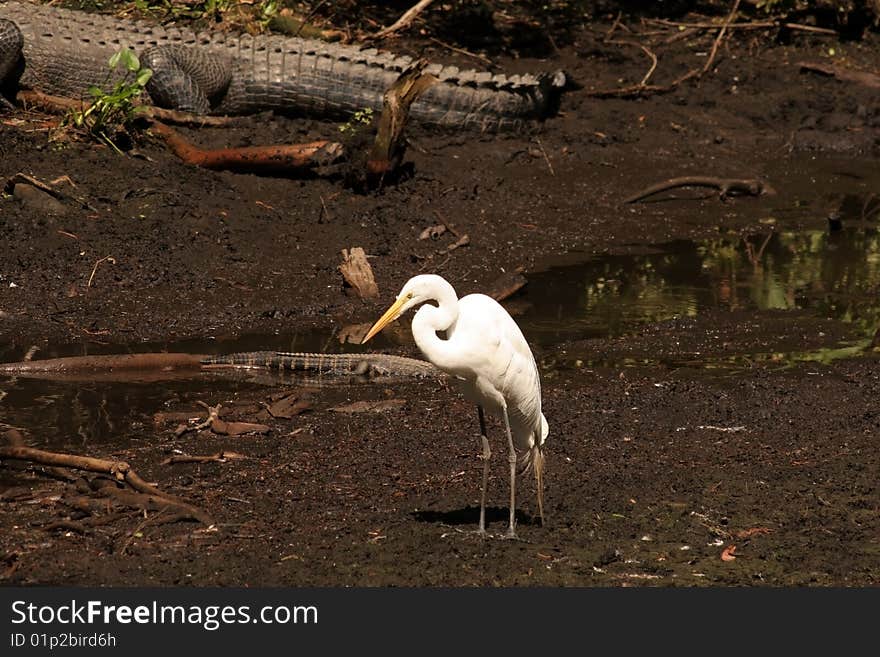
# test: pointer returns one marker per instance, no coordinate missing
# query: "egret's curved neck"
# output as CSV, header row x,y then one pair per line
x,y
429,319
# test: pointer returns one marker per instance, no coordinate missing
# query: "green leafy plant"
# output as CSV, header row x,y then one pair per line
x,y
114,112
360,119
268,9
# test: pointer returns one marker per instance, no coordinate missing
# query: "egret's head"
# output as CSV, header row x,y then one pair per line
x,y
416,291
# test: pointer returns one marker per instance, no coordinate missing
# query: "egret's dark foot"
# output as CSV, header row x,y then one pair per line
x,y
6,105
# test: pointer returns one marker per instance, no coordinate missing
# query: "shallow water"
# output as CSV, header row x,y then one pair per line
x,y
829,270
830,274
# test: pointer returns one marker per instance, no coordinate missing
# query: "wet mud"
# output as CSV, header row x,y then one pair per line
x,y
709,366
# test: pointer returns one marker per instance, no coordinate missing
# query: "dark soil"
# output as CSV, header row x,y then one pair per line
x,y
652,471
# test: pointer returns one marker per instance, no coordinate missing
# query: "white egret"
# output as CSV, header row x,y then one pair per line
x,y
491,363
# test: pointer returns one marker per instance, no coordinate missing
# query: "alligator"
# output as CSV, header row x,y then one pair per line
x,y
366,365
351,365
64,52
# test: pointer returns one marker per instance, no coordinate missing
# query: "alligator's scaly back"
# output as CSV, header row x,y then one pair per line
x,y
65,52
336,364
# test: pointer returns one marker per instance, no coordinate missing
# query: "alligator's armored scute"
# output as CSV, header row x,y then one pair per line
x,y
368,365
64,52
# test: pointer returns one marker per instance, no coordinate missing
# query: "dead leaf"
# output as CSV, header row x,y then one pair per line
x,y
378,406
225,428
288,406
727,553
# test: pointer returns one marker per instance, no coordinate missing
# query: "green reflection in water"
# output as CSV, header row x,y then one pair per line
x,y
829,274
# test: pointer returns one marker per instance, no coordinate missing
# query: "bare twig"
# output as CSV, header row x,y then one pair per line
x,y
219,457
751,25
721,33
544,153
109,259
404,21
462,51
642,88
446,224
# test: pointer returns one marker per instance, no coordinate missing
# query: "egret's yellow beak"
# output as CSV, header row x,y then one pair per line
x,y
390,315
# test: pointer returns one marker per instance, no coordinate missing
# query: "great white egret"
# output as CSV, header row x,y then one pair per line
x,y
491,363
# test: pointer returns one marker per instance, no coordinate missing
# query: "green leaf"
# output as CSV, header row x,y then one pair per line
x,y
144,76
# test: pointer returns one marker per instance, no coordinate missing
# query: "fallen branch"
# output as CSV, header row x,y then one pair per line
x,y
120,471
725,186
221,427
276,158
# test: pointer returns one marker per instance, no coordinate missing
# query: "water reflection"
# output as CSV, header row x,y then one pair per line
x,y
831,274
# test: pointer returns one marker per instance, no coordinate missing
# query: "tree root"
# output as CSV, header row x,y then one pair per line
x,y
146,495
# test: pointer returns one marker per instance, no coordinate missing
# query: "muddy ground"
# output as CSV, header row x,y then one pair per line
x,y
655,467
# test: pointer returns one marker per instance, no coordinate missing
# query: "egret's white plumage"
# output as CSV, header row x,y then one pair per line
x,y
491,363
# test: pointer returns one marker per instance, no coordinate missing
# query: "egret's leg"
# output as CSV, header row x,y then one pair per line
x,y
487,453
511,458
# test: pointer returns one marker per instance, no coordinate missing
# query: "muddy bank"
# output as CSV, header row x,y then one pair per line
x,y
682,422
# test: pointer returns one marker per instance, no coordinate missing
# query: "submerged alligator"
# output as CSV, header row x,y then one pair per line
x,y
63,52
367,365
345,365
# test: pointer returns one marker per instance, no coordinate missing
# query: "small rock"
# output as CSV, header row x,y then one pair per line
x,y
36,199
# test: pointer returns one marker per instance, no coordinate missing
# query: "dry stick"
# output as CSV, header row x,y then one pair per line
x,y
544,153
639,89
109,259
308,17
59,103
448,226
753,25
462,51
219,457
404,21
725,186
720,36
119,470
